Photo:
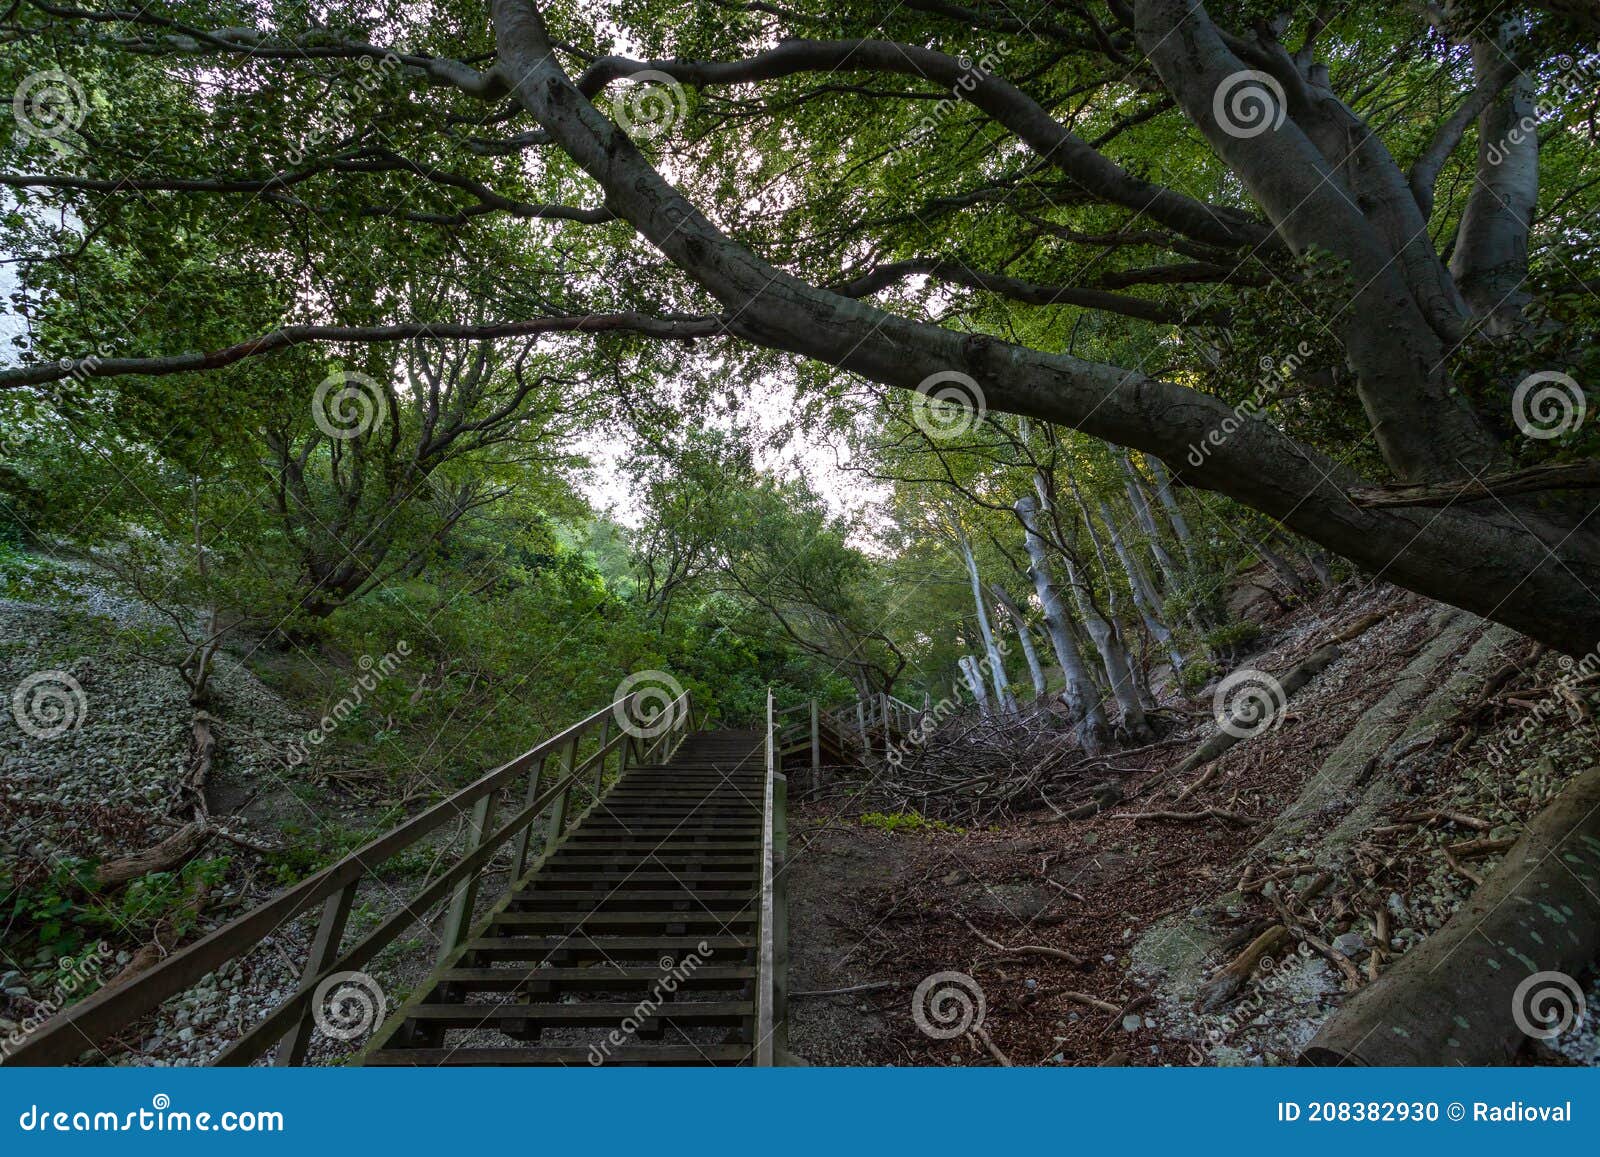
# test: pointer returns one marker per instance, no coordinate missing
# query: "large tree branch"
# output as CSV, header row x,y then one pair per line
x,y
189,39
1388,324
1031,293
1424,175
93,366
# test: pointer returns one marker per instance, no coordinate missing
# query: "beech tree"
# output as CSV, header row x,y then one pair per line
x,y
1098,215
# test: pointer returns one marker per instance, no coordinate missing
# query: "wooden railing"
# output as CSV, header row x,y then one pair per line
x,y
772,953
546,805
875,721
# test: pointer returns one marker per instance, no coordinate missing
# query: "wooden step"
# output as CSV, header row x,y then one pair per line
x,y
625,923
584,947
584,1014
601,977
575,901
636,1054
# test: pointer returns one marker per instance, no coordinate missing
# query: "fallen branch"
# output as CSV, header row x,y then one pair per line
x,y
988,1042
1026,949
1210,813
1238,730
1222,987
871,986
1565,476
170,853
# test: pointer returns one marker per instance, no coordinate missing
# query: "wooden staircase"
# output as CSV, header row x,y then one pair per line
x,y
635,941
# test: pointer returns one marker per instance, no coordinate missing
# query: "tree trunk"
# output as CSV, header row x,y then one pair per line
x,y
1456,998
1169,503
1080,694
1147,521
1120,673
996,664
973,673
1145,596
1035,671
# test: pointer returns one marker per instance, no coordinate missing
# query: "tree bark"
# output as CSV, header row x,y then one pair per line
x,y
1080,694
1145,596
972,672
997,669
1029,653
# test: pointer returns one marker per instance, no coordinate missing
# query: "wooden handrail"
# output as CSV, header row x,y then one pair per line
x,y
60,1039
766,957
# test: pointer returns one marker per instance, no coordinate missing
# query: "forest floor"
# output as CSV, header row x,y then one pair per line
x,y
107,787
1344,814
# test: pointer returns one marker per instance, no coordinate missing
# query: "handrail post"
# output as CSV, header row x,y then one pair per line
x,y
601,756
816,749
459,921
565,762
780,917
525,839
324,951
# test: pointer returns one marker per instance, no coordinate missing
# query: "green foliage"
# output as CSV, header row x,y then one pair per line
x,y
893,823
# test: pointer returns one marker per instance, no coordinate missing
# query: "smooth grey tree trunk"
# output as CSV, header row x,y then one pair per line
x,y
1145,595
1035,671
1080,695
1147,521
997,669
972,671
1169,503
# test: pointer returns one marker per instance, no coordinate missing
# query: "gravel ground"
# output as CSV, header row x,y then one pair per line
x,y
99,782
